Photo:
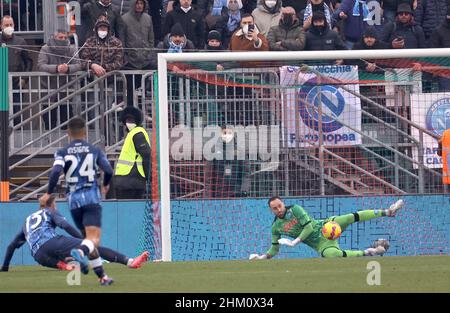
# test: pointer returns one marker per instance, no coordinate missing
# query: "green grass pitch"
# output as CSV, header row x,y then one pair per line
x,y
398,274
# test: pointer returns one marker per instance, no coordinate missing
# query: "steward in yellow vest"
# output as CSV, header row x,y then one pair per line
x,y
133,168
444,152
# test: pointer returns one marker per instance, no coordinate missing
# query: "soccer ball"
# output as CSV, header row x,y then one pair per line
x,y
331,230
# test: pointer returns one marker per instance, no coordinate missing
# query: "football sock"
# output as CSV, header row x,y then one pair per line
x,y
366,215
113,256
96,264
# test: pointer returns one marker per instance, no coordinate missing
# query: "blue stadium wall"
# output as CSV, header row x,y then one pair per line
x,y
232,229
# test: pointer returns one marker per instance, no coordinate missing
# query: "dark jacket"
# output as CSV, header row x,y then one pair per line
x,y
292,38
107,52
412,34
354,26
138,35
323,40
192,23
163,46
19,60
361,45
429,14
441,36
91,10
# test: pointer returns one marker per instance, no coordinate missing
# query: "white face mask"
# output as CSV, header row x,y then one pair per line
x,y
8,31
271,3
130,126
102,34
227,135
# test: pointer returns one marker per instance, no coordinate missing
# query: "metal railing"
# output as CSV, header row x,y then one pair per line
x,y
27,15
233,97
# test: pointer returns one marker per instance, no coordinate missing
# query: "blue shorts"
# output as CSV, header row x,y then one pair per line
x,y
55,250
89,215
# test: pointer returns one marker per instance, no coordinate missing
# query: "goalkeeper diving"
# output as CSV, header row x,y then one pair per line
x,y
293,221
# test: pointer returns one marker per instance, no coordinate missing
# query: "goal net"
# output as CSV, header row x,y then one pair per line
x,y
334,131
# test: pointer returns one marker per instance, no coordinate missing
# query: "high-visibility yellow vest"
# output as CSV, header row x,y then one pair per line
x,y
128,156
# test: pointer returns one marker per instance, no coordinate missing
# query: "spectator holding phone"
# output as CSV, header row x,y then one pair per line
x,y
404,33
248,37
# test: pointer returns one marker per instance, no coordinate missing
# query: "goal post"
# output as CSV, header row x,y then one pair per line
x,y
163,103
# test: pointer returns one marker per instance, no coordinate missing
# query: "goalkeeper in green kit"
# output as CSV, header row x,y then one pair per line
x,y
294,222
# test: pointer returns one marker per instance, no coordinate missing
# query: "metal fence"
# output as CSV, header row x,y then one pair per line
x,y
388,160
27,15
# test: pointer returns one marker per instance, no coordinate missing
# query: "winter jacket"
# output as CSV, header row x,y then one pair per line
x,y
361,45
18,59
412,34
163,46
138,35
52,55
323,40
292,38
192,23
441,36
265,19
354,26
430,14
123,6
91,10
107,52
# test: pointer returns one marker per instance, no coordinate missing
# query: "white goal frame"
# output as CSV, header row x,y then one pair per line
x,y
163,122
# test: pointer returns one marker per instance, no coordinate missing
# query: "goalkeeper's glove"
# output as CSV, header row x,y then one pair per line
x,y
289,243
255,256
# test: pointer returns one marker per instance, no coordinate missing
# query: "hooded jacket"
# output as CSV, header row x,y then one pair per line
x,y
107,52
325,39
90,12
139,35
265,18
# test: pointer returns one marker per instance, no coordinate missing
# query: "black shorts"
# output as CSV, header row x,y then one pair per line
x,y
90,215
56,249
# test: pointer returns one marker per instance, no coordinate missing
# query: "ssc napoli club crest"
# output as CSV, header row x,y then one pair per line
x,y
438,116
333,103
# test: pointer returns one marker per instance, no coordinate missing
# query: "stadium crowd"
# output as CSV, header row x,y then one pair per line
x,y
144,28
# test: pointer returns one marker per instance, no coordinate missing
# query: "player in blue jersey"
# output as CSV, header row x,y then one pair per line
x,y
80,162
51,250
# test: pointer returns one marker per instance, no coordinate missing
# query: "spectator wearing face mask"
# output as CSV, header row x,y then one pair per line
x,y
320,37
91,11
18,59
103,52
267,14
214,44
288,35
57,57
313,6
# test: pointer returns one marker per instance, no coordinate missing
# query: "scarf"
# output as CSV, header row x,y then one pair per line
x,y
173,48
233,21
364,8
217,7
